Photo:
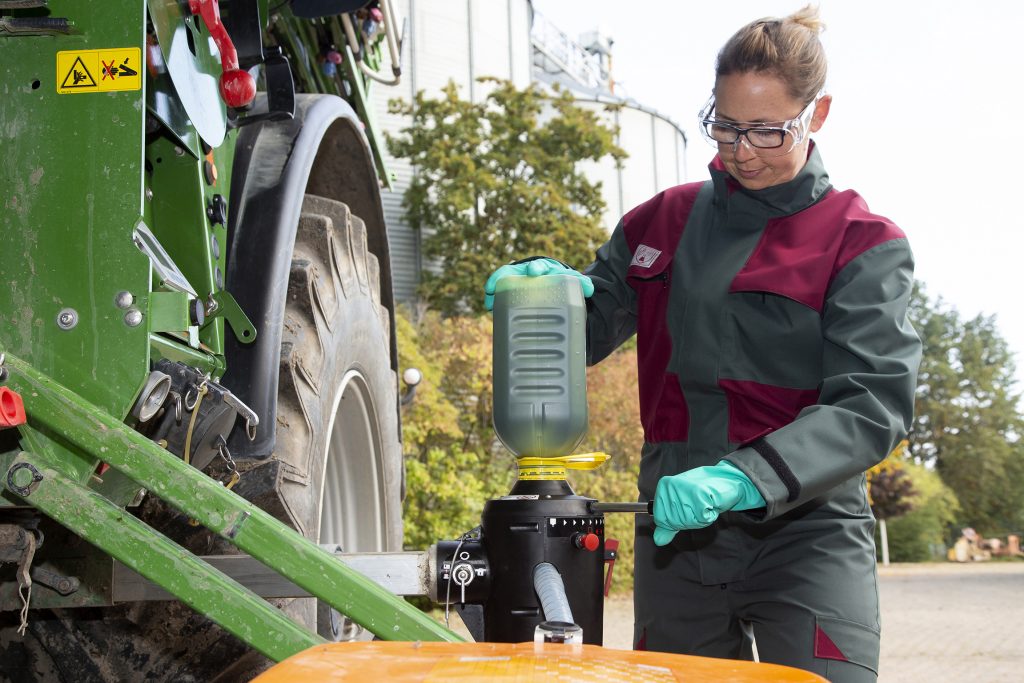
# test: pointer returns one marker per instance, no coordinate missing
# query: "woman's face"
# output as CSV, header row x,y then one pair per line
x,y
747,98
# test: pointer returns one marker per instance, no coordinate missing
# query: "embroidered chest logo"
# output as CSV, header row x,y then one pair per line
x,y
645,256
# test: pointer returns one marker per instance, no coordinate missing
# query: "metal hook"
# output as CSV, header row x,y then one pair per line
x,y
200,390
188,393
176,397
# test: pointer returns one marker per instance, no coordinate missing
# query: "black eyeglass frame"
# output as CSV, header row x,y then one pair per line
x,y
802,120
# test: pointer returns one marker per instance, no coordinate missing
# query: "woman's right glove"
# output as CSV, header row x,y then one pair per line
x,y
534,266
694,499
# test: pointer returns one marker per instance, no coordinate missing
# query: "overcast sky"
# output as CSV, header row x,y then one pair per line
x,y
923,122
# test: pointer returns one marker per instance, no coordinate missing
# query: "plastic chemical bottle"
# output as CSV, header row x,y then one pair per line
x,y
540,381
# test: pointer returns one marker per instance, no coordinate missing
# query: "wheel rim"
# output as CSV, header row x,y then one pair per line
x,y
352,507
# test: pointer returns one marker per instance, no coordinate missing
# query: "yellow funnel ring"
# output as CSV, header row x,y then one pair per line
x,y
534,469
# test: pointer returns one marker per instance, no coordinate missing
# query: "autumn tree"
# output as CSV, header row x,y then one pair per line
x,y
890,493
498,180
614,409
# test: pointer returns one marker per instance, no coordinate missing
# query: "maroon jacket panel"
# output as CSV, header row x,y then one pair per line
x,y
799,254
757,409
652,231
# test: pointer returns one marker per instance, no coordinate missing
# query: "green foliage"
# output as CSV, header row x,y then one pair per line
x,y
452,465
443,499
920,534
967,420
498,180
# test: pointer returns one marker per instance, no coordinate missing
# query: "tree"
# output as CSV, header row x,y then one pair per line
x,y
498,180
890,492
967,424
920,534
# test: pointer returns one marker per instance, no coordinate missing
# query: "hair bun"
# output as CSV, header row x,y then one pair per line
x,y
808,17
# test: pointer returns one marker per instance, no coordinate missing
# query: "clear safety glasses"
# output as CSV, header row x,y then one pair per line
x,y
769,139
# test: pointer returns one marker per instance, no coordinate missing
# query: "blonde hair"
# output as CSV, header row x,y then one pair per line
x,y
787,48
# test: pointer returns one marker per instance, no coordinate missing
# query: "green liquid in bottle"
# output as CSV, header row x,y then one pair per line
x,y
540,380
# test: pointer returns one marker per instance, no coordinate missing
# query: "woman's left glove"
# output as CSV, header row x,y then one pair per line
x,y
535,266
694,499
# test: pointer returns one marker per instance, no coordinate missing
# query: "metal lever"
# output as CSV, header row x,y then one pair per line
x,y
237,87
462,574
636,508
65,585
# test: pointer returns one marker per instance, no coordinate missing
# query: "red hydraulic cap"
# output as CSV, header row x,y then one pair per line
x,y
589,542
12,409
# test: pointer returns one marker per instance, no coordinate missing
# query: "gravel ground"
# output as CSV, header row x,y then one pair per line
x,y
940,622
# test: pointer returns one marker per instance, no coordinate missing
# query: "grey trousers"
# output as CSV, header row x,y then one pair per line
x,y
807,594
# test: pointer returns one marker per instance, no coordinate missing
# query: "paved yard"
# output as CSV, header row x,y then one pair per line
x,y
940,622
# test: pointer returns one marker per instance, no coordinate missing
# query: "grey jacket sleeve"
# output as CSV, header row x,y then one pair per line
x,y
870,361
611,311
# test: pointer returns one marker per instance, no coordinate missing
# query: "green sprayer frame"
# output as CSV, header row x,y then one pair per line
x,y
46,483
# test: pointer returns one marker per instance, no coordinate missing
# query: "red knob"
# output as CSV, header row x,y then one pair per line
x,y
12,409
237,88
589,542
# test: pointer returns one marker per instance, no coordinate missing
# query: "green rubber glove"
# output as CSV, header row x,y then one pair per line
x,y
533,267
694,499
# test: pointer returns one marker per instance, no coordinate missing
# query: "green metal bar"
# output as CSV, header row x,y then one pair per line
x,y
162,347
246,526
153,555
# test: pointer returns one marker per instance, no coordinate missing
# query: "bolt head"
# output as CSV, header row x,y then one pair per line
x,y
133,317
124,299
67,318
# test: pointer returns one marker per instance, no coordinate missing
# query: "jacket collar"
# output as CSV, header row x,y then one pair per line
x,y
809,185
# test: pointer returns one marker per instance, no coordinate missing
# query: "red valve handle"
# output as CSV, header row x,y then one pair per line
x,y
237,87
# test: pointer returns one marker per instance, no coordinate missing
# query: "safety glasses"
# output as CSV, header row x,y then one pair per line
x,y
768,139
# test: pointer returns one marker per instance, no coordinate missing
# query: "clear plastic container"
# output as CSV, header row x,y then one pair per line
x,y
540,369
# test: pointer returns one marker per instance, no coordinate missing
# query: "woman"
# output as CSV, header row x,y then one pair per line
x,y
776,365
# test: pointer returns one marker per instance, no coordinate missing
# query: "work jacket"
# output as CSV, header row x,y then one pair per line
x,y
772,332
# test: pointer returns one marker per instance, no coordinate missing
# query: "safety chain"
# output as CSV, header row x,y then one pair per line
x,y
233,476
229,462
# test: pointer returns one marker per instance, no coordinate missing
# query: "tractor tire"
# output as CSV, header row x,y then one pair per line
x,y
338,451
335,476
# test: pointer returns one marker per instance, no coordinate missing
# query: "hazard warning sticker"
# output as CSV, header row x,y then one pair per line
x,y
99,70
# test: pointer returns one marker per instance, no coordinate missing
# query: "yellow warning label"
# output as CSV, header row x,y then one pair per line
x,y
99,70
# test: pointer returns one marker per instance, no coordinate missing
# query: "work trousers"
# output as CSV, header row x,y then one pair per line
x,y
808,598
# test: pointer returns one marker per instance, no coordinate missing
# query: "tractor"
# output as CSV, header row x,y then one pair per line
x,y
196,266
